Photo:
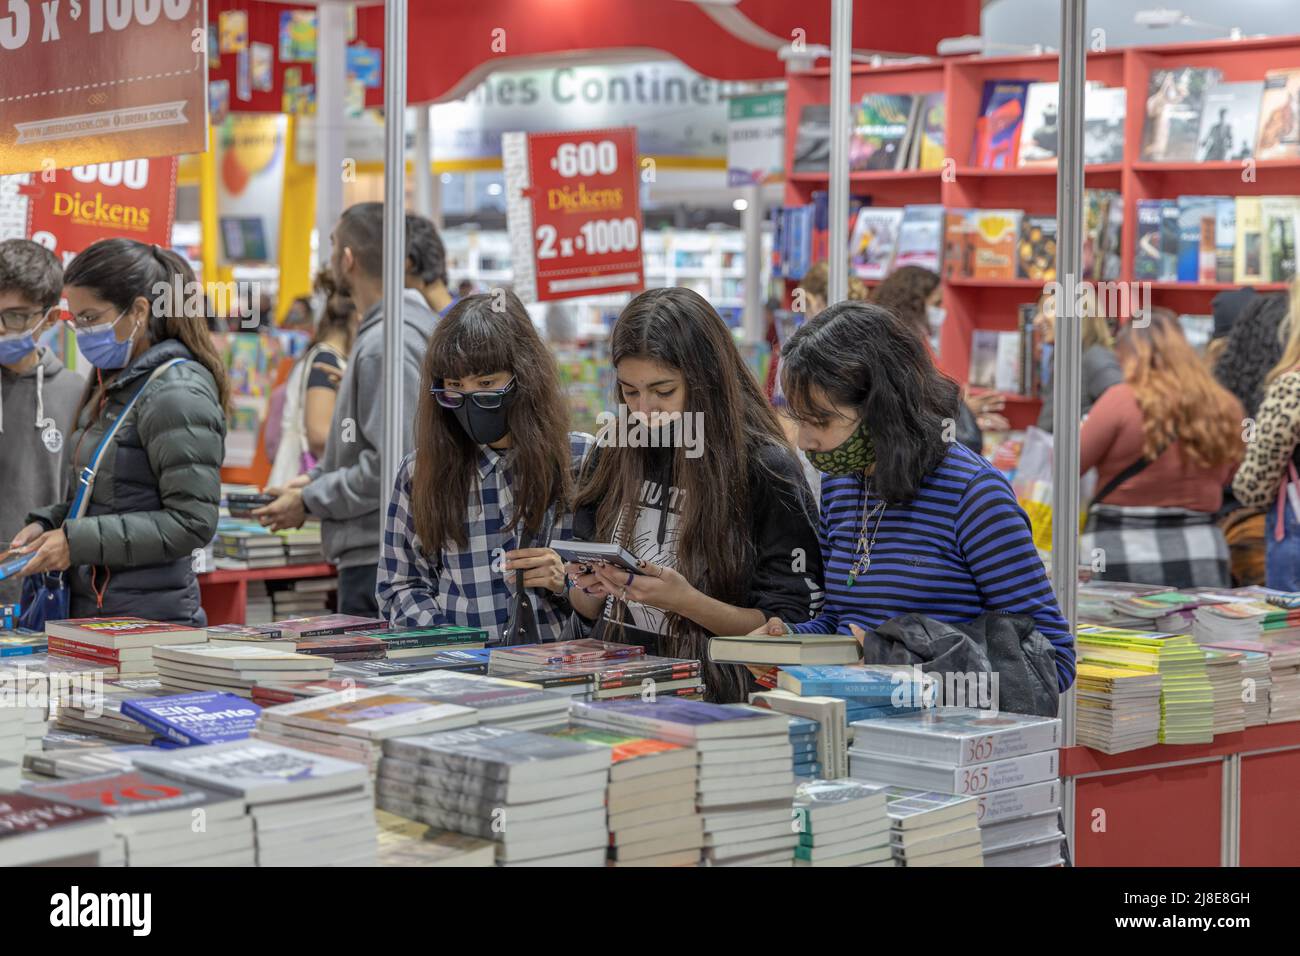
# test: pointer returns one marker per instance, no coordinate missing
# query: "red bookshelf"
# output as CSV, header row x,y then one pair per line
x,y
977,304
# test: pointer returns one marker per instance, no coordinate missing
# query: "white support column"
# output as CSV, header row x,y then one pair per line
x,y
1067,371
841,55
390,451
424,179
331,79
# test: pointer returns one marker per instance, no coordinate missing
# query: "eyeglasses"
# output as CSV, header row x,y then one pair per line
x,y
84,320
488,398
18,320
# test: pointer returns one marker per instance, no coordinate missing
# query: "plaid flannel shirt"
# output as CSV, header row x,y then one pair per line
x,y
466,586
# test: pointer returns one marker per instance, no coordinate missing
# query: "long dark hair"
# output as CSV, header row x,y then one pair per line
x,y
475,339
678,329
119,271
905,292
336,315
1254,347
867,358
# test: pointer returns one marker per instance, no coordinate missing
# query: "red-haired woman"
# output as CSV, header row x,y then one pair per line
x,y
1165,442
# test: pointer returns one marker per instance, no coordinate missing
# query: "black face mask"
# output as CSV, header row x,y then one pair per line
x,y
485,425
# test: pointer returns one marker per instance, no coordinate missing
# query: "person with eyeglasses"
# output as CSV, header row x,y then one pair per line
x,y
490,482
157,404
38,395
343,489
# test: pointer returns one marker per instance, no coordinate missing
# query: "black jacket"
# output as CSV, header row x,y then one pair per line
x,y
156,494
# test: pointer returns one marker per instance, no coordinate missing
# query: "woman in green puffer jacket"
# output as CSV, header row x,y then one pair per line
x,y
158,486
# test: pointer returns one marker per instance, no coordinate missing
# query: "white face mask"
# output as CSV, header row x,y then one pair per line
x,y
935,314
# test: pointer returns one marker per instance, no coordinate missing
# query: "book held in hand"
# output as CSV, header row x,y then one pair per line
x,y
785,649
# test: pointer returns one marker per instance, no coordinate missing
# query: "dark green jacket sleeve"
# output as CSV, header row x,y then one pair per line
x,y
51,516
182,428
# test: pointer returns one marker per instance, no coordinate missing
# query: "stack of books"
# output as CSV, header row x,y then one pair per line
x,y
828,713
1256,684
842,823
101,717
1118,708
234,670
263,635
245,545
870,690
1100,603
425,641
270,693
303,597
343,647
21,644
326,625
957,750
539,798
505,661
614,678
498,701
303,546
120,647
803,740
154,818
386,671
1186,700
257,606
72,762
36,831
1224,671
1284,675
404,842
745,779
24,712
1021,826
650,800
307,809
189,720
785,650
933,829
353,724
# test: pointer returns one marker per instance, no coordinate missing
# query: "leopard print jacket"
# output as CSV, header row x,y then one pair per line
x,y
1277,430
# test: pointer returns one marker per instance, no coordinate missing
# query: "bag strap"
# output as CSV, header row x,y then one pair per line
x,y
86,479
1132,471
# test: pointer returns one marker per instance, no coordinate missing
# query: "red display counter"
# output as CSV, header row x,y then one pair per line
x,y
1226,803
225,592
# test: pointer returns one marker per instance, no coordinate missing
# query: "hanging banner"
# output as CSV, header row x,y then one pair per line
x,y
250,186
755,139
88,81
574,213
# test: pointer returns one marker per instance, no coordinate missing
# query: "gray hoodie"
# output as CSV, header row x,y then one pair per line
x,y
37,410
344,491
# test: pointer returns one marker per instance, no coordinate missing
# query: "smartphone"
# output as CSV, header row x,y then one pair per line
x,y
11,567
242,505
589,552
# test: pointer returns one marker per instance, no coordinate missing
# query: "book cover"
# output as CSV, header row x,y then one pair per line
x,y
1248,264
678,720
372,713
1279,116
920,237
1196,224
958,736
1173,113
22,813
1104,109
958,244
497,752
240,657
874,241
192,719
1007,370
1147,258
119,632
1278,214
880,123
255,769
252,633
967,780
1229,118
566,652
1001,118
431,637
1036,250
1103,222
135,793
623,748
1041,134
324,625
931,147
1225,239
812,148
995,233
855,681
1169,239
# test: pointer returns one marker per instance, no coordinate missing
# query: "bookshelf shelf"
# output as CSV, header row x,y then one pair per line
x,y
975,304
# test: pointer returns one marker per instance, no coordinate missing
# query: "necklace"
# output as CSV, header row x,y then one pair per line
x,y
862,561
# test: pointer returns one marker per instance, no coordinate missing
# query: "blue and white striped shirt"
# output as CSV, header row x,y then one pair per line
x,y
962,547
466,587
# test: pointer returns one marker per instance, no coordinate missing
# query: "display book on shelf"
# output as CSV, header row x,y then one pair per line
x,y
987,304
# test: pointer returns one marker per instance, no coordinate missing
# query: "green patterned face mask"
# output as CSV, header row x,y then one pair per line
x,y
855,454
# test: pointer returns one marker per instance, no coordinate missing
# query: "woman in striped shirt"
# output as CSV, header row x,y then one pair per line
x,y
912,521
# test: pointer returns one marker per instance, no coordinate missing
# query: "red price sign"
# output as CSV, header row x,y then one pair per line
x,y
134,198
575,213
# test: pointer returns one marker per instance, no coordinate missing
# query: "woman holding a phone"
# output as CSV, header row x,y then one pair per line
x,y
489,482
697,482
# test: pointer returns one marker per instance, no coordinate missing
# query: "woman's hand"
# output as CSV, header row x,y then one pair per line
x,y
773,627
26,536
286,511
653,585
585,580
543,568
49,553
